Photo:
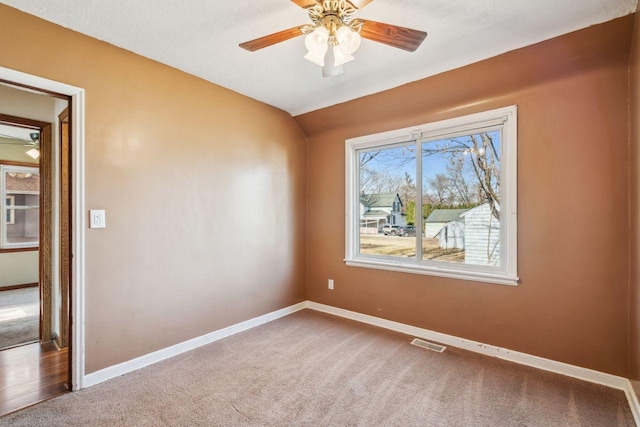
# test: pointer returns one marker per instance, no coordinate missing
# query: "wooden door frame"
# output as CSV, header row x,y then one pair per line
x,y
64,226
45,245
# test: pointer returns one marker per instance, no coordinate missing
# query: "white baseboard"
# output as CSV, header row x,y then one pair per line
x,y
578,372
157,356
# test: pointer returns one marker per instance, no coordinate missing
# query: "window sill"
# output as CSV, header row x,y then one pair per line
x,y
433,271
19,249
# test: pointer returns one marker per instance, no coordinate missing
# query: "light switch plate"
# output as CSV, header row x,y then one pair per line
x,y
97,219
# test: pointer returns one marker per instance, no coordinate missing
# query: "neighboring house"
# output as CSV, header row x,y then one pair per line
x,y
377,210
438,219
482,236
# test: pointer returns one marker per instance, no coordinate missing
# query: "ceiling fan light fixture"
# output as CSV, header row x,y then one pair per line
x,y
340,56
348,40
333,27
315,58
34,153
331,67
317,41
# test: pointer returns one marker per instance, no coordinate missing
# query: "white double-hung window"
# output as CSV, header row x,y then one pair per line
x,y
20,206
450,190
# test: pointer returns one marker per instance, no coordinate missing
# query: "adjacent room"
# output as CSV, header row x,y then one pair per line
x,y
320,212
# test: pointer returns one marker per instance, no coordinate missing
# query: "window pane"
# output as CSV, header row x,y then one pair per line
x,y
20,206
387,194
25,227
461,199
22,201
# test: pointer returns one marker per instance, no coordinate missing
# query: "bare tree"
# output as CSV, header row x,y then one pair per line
x,y
440,189
375,180
464,191
407,190
485,161
478,154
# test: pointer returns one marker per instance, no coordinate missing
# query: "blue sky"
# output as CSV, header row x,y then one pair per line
x,y
396,161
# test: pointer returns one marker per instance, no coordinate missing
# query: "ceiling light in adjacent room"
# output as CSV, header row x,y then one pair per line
x,y
34,153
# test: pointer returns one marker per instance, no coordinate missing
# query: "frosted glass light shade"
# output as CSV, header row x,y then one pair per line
x,y
34,153
317,59
317,41
348,40
340,56
331,68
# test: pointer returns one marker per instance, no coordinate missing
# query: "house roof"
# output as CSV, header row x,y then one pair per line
x,y
18,182
445,215
484,205
375,214
381,200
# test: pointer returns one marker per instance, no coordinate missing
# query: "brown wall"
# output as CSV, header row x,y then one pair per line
x,y
634,115
573,239
203,189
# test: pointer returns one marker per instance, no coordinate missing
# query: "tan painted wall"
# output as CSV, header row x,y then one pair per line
x,y
18,268
204,191
634,342
14,153
573,210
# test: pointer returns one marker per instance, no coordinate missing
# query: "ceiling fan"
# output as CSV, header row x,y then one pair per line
x,y
33,144
335,35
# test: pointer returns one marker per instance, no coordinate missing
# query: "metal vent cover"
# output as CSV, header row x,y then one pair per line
x,y
428,345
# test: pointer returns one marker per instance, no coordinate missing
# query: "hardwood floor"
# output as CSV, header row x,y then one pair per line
x,y
30,374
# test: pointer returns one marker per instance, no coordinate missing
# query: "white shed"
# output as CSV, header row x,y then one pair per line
x,y
482,236
451,236
438,218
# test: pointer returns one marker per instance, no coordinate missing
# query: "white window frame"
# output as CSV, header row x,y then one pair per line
x,y
504,119
4,195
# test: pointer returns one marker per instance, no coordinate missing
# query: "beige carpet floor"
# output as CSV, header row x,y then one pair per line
x,y
313,369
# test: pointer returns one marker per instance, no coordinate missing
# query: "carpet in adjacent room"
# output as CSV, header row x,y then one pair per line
x,y
19,316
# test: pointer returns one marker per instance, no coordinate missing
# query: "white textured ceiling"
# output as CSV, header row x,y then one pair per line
x,y
201,37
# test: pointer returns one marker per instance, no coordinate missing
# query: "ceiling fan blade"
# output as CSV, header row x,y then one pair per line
x,y
272,39
304,3
359,4
392,35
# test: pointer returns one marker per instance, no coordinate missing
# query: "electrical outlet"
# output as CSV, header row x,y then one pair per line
x,y
331,284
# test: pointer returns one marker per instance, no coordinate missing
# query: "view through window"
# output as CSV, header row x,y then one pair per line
x,y
434,199
20,224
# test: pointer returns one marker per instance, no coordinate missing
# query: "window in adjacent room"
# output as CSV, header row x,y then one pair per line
x,y
20,196
437,199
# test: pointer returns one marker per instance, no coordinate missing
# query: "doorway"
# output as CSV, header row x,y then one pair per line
x,y
34,367
20,185
77,219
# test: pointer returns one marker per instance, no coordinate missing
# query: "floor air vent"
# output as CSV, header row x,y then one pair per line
x,y
429,345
